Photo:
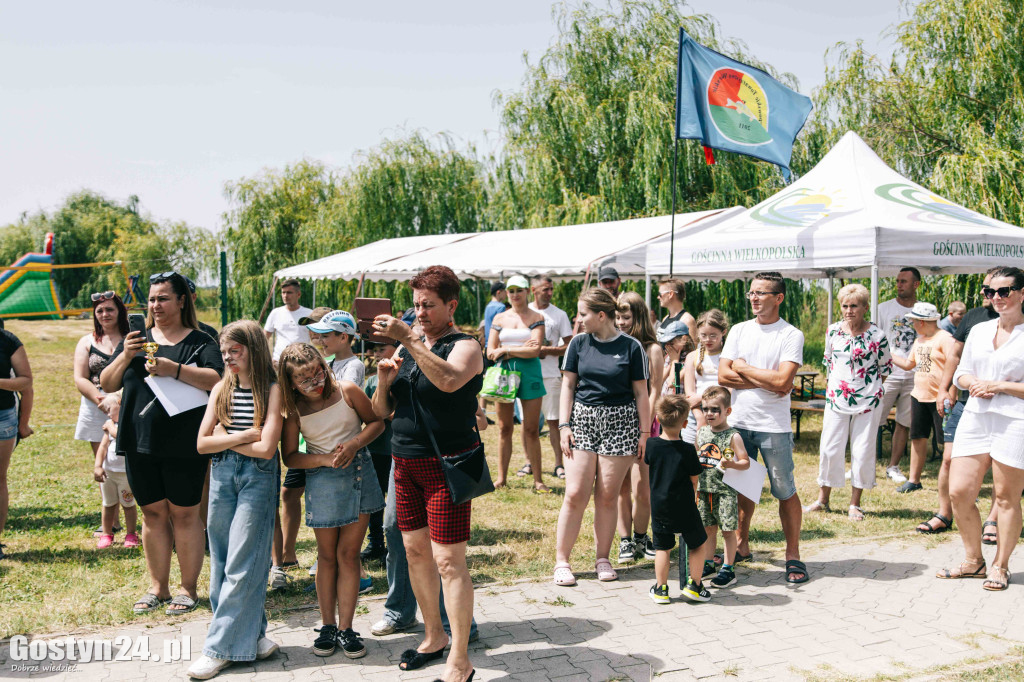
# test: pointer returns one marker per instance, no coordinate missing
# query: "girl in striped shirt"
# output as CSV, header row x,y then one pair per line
x,y
241,429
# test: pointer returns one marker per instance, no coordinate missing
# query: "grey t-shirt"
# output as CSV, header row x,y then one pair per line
x,y
349,369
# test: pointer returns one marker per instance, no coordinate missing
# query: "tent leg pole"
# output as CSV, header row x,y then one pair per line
x,y
647,287
874,294
831,282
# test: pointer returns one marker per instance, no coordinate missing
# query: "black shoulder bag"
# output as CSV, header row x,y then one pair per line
x,y
466,473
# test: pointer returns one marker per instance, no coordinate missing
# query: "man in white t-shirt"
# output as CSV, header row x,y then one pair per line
x,y
557,332
759,361
282,325
901,335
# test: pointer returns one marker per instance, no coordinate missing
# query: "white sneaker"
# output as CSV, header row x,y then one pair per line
x,y
278,579
265,648
895,474
312,569
385,627
206,667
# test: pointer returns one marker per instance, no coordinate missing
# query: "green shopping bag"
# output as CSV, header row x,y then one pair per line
x,y
501,384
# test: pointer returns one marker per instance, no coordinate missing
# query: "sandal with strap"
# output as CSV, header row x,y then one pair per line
x,y
989,537
559,472
184,600
816,506
926,527
960,572
563,575
605,572
150,602
796,567
998,578
526,470
855,513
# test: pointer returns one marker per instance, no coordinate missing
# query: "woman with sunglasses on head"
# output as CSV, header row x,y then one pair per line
x,y
515,341
165,470
991,431
92,355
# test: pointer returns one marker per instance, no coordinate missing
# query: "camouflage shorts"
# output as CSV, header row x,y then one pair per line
x,y
719,509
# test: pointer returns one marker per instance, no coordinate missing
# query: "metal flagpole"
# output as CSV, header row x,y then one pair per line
x,y
672,243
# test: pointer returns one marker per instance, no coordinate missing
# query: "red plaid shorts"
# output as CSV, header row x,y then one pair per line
x,y
422,499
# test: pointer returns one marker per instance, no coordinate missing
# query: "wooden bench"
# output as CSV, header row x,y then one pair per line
x,y
798,407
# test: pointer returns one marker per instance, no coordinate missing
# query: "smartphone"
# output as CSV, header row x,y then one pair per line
x,y
137,323
366,310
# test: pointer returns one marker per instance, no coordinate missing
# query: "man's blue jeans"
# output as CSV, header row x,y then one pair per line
x,y
400,605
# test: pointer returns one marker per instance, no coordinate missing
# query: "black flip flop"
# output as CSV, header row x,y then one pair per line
x,y
983,527
414,660
793,566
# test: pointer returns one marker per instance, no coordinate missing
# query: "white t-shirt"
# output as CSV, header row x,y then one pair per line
x,y
899,331
765,346
284,324
112,462
556,327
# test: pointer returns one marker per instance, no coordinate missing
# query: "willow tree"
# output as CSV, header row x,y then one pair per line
x,y
946,110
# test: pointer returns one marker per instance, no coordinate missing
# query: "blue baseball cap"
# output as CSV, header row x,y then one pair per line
x,y
673,330
340,321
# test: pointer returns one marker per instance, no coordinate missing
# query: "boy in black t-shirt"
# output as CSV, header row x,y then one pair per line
x,y
674,471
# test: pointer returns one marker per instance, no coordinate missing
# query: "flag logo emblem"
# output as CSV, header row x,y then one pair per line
x,y
738,106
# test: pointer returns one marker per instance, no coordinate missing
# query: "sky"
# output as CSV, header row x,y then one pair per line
x,y
171,100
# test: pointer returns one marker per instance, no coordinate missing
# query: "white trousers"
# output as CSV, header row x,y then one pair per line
x,y
859,431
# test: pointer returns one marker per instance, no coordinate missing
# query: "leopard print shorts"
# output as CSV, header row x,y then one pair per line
x,y
612,430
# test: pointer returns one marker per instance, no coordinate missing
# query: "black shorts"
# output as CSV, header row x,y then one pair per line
x,y
924,419
667,541
179,480
382,467
295,478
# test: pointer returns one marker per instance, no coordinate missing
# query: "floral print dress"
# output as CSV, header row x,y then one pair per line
x,y
856,367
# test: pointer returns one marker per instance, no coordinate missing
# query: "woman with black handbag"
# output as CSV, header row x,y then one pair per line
x,y
431,386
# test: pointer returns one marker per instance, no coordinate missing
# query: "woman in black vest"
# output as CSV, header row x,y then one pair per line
x,y
442,372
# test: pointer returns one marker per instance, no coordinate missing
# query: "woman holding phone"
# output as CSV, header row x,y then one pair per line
x,y
165,471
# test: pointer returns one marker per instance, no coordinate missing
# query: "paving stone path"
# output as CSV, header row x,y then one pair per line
x,y
867,610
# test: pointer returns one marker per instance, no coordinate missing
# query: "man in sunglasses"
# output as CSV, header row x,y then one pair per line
x,y
282,325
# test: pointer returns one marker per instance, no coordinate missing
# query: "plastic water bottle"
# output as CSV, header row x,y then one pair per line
x,y
947,407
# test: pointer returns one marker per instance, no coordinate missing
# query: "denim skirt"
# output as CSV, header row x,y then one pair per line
x,y
336,497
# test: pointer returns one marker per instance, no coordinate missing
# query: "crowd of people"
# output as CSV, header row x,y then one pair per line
x,y
648,416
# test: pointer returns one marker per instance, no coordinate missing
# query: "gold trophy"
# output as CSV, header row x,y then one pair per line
x,y
727,456
151,347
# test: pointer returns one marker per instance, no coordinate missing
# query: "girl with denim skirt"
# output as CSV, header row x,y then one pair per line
x,y
337,421
241,429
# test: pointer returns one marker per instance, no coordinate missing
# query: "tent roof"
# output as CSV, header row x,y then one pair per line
x,y
851,211
352,263
560,252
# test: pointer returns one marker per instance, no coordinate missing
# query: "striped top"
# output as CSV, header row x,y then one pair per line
x,y
241,411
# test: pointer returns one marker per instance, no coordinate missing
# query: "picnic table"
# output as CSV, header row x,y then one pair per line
x,y
798,407
806,390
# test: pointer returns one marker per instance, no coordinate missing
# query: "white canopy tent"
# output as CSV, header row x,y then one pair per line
x,y
565,252
852,216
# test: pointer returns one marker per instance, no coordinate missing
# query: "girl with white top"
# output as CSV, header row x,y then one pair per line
x,y
604,425
858,360
241,429
515,342
700,371
632,317
991,430
338,422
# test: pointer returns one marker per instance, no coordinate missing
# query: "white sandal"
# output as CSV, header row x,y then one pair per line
x,y
855,513
563,575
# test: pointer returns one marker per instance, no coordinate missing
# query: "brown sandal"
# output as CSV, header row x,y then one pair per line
x,y
959,572
999,578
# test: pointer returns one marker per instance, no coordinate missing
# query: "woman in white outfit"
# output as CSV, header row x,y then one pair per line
x,y
858,360
991,431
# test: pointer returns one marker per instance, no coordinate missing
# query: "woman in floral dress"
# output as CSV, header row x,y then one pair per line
x,y
858,360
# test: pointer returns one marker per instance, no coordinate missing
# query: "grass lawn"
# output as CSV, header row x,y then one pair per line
x,y
56,581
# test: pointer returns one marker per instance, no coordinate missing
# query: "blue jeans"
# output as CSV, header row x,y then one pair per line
x,y
400,605
243,498
777,450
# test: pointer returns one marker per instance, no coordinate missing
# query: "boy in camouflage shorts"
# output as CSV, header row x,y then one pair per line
x,y
719,447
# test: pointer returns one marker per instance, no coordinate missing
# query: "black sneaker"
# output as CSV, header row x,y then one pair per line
x,y
327,641
642,542
649,550
725,578
351,643
696,591
909,487
374,551
627,551
709,569
659,594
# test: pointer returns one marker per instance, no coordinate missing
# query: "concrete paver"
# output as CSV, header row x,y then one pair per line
x,y
868,609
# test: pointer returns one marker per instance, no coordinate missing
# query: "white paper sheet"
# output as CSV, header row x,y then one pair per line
x,y
177,396
748,482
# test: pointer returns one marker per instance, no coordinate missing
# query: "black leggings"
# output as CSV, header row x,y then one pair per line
x,y
382,466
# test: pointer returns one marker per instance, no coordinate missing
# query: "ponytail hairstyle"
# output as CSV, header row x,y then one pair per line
x,y
598,300
715,319
641,329
261,371
293,357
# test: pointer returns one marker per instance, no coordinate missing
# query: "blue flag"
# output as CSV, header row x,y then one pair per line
x,y
731,106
